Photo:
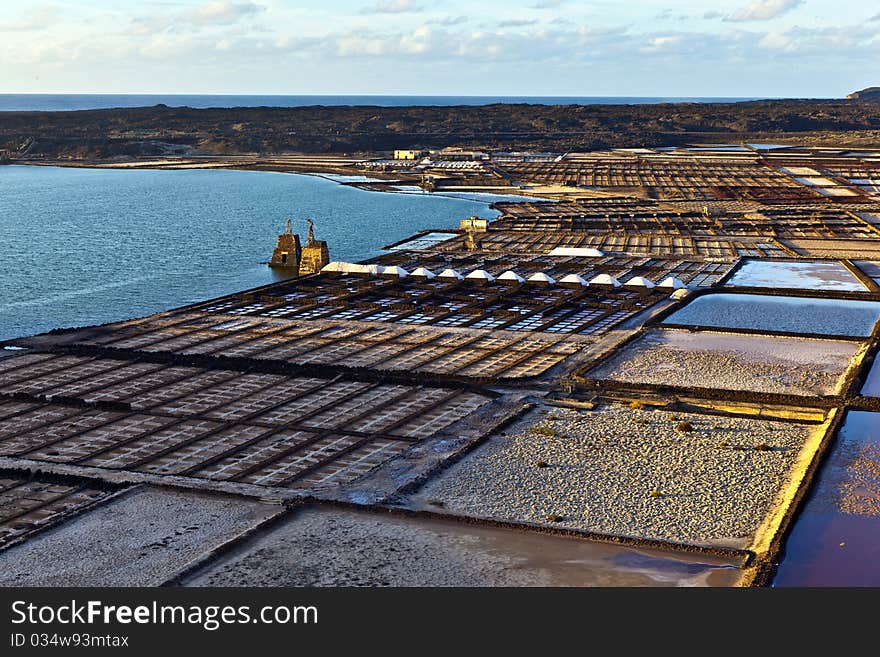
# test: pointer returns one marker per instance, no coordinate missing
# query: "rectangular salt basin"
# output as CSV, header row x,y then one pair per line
x,y
836,317
871,387
423,242
801,171
816,182
627,472
727,361
870,268
836,539
140,539
805,275
835,191
342,547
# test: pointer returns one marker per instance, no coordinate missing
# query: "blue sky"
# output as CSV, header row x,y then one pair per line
x,y
803,48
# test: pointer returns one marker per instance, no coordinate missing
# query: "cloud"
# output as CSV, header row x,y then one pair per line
x,y
663,42
317,53
763,10
668,15
489,46
422,40
522,22
777,41
37,19
714,13
448,21
548,4
220,12
392,7
217,13
856,43
571,47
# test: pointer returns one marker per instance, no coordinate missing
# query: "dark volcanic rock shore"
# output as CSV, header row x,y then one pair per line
x,y
162,130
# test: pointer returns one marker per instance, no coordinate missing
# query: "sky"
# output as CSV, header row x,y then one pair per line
x,y
726,48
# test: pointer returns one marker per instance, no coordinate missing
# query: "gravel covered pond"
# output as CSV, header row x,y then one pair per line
x,y
682,477
756,363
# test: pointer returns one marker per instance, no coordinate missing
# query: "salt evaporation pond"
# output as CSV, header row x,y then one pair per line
x,y
869,267
443,553
839,317
423,242
871,387
836,539
731,361
819,275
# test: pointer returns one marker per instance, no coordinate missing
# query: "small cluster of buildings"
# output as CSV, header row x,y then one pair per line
x,y
446,154
507,277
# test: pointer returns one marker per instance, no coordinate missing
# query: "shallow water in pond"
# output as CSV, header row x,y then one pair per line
x,y
771,313
871,388
355,548
836,538
796,275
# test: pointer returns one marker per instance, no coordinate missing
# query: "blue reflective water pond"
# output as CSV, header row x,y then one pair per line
x,y
836,539
777,313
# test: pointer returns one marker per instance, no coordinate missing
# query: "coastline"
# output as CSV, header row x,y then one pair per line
x,y
312,166
395,216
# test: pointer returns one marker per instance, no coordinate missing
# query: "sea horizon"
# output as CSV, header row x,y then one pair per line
x,y
51,102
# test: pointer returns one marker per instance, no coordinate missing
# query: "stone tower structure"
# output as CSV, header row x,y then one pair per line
x,y
287,253
315,253
472,227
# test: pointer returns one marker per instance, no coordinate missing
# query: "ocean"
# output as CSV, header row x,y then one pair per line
x,y
70,102
87,246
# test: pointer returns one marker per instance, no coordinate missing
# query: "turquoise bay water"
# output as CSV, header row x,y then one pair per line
x,y
87,246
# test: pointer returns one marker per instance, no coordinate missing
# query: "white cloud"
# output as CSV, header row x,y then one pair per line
x,y
354,45
763,10
777,41
664,42
449,21
517,22
548,4
217,13
622,46
670,15
162,46
485,46
37,19
43,53
418,42
220,12
392,7
242,48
